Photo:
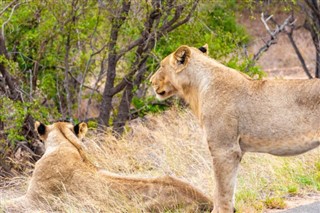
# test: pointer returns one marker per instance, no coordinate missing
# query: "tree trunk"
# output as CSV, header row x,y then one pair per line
x,y
106,105
9,81
14,94
124,109
297,51
154,30
142,54
312,24
66,78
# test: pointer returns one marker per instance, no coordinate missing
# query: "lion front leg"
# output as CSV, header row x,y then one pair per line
x,y
226,155
225,165
221,131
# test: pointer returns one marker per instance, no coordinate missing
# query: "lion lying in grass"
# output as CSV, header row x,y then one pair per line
x,y
65,168
239,114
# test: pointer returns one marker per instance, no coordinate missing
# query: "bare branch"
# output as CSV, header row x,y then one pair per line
x,y
264,21
313,5
9,5
273,36
3,25
81,83
168,27
185,20
176,16
296,49
126,79
130,47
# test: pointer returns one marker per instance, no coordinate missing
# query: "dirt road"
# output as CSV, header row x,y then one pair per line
x,y
310,208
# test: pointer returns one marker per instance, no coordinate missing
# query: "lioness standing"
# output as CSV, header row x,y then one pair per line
x,y
239,114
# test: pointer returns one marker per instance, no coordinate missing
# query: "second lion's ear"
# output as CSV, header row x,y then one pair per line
x,y
204,49
80,130
40,128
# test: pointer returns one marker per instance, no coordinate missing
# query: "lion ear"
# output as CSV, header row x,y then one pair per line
x,y
80,130
180,58
204,49
40,128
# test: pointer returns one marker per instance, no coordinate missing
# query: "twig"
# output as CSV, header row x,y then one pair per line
x,y
296,49
3,25
9,5
81,83
273,35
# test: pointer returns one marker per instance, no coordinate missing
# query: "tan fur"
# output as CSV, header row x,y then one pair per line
x,y
239,114
64,168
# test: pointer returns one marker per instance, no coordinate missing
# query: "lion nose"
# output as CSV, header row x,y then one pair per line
x,y
159,92
162,93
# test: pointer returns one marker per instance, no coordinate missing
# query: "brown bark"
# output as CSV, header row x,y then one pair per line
x,y
300,57
173,17
66,77
106,105
124,107
13,92
143,49
312,24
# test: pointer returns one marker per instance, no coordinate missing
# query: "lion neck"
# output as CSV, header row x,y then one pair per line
x,y
191,96
66,138
192,90
208,75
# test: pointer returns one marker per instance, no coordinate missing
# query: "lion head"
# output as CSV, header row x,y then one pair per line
x,y
59,132
43,130
167,80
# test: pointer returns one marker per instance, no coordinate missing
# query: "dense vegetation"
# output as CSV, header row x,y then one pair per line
x,y
64,57
91,60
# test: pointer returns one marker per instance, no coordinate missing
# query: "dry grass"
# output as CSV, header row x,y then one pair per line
x,y
172,143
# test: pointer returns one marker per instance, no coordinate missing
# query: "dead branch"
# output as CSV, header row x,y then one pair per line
x,y
82,83
183,21
273,36
9,5
297,51
164,29
4,24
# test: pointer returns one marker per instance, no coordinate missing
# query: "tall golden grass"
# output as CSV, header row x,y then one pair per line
x,y
172,143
